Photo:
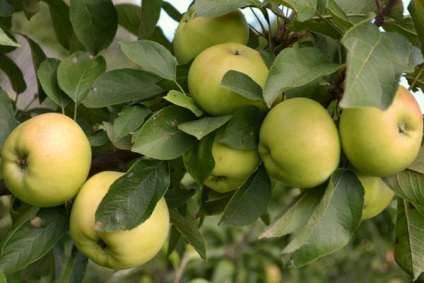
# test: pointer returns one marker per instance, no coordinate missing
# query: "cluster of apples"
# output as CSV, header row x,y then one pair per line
x,y
46,161
299,143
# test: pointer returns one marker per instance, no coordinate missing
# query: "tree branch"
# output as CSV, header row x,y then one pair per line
x,y
383,11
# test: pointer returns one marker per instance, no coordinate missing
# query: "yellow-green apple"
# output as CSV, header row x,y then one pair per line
x,y
120,249
208,69
232,166
377,195
299,143
194,33
46,160
382,143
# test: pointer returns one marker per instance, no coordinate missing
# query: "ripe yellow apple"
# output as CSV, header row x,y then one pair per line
x,y
118,249
299,143
382,143
377,195
208,69
194,33
46,160
232,166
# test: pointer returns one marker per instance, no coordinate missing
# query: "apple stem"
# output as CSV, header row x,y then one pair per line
x,y
23,162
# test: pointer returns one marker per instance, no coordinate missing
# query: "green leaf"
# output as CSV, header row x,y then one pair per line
x,y
368,48
198,160
416,9
129,17
7,41
47,75
242,84
120,86
13,72
242,130
150,12
33,239
408,185
6,10
172,11
151,57
7,117
337,225
59,13
206,8
338,14
95,23
406,28
77,73
305,9
132,198
160,138
250,201
180,99
204,126
3,278
418,164
189,231
294,67
123,143
130,119
409,248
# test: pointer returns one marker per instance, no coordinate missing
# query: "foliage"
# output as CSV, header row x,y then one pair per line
x,y
139,118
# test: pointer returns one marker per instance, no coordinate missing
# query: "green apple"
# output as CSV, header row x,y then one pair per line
x,y
46,160
299,143
118,249
194,33
377,195
382,143
208,69
232,166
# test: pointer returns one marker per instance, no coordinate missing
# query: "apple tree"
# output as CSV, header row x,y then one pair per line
x,y
205,134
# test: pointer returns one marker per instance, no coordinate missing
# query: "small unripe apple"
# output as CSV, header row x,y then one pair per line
x,y
194,33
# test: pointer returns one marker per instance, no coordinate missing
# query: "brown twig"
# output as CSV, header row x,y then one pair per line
x,y
380,20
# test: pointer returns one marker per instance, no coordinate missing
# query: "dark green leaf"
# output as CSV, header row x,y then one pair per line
x,y
180,99
242,84
151,57
409,248
150,12
59,13
408,185
38,56
250,201
416,9
160,137
47,75
202,127
198,160
7,117
120,86
13,72
123,143
189,231
295,67
130,119
205,8
337,225
95,23
6,10
132,198
76,74
30,7
242,130
172,11
129,17
178,197
371,51
33,239
304,9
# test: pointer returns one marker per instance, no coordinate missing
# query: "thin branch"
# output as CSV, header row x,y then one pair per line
x,y
380,20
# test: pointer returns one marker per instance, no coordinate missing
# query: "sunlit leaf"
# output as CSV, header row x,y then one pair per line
x,y
181,99
207,8
202,127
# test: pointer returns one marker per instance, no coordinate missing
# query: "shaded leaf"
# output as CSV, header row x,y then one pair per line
x,y
242,84
408,185
205,8
304,9
33,239
295,67
189,231
129,17
130,119
150,12
77,73
7,117
132,198
409,248
371,51
160,138
120,86
151,57
250,201
59,13
95,23
416,9
13,72
204,126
